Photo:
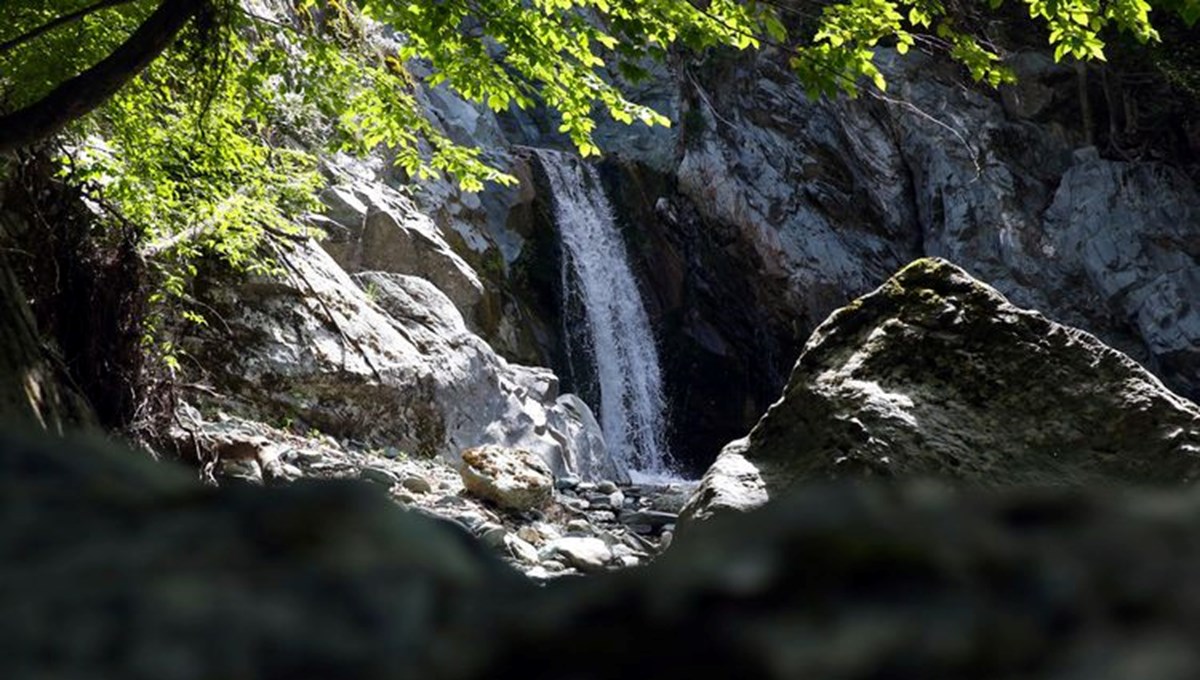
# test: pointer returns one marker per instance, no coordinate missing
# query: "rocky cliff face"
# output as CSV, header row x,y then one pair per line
x,y
390,364
937,375
773,210
761,211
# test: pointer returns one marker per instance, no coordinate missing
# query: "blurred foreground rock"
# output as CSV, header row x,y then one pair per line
x,y
115,567
936,374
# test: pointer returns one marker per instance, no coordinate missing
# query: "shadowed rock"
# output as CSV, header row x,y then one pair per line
x,y
115,567
936,374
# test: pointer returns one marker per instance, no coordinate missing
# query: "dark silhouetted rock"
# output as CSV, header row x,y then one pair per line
x,y
936,374
114,567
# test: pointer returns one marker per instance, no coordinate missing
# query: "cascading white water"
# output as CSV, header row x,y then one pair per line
x,y
623,353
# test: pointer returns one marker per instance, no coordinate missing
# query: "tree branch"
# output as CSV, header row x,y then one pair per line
x,y
153,250
9,45
78,96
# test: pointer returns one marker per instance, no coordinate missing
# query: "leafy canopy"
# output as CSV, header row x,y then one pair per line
x,y
217,140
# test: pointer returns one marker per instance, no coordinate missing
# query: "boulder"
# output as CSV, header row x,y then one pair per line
x,y
273,580
936,374
511,478
585,553
371,226
382,359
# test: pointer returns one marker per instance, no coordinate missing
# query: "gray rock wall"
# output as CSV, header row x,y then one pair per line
x,y
760,212
390,364
778,210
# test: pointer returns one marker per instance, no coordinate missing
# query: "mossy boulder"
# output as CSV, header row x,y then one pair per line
x,y
936,374
511,478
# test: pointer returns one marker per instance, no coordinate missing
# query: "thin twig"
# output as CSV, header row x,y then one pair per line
x,y
328,312
33,34
704,97
933,119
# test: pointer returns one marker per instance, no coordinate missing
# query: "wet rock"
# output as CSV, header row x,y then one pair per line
x,y
652,518
511,478
417,484
588,555
584,446
935,374
521,550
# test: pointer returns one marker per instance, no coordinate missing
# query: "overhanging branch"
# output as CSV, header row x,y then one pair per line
x,y
78,96
45,28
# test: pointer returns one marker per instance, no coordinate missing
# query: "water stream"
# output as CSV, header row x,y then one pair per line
x,y
614,332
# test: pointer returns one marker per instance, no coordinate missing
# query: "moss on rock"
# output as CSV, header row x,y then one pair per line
x,y
935,374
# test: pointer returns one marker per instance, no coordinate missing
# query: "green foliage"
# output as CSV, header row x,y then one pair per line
x,y
372,292
26,73
216,143
841,52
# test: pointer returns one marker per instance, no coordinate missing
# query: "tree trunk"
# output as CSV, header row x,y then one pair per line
x,y
33,388
78,96
1085,105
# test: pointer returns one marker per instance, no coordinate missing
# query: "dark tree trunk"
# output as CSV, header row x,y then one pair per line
x,y
32,385
78,96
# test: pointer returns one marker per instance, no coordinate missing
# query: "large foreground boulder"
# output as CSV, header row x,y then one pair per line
x,y
936,374
115,567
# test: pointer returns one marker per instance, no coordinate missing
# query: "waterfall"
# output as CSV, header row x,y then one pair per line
x,y
615,329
